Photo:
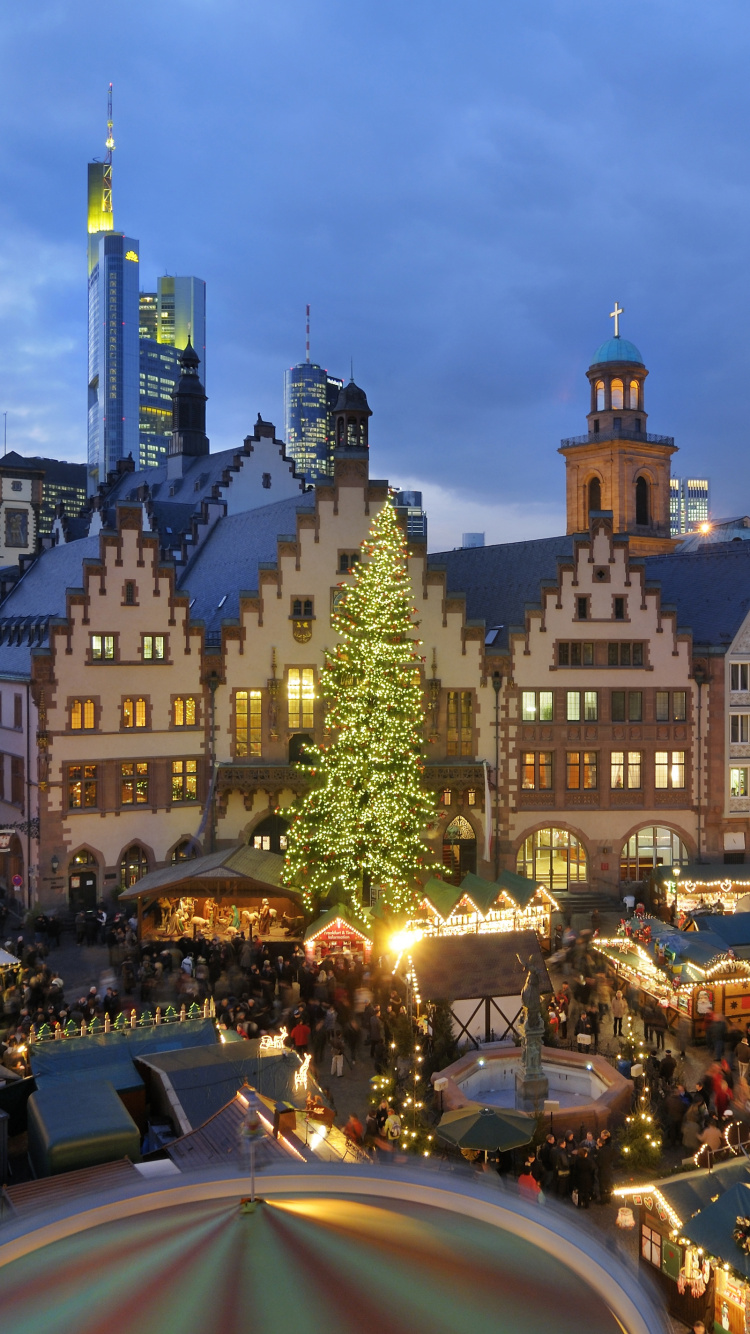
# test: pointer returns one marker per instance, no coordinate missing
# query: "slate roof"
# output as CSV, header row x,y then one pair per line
x,y
499,581
41,590
710,588
466,967
227,562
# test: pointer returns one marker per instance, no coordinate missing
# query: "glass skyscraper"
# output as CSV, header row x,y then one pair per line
x,y
169,316
310,395
689,501
113,387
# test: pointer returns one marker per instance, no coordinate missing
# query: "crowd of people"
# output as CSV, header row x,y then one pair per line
x,y
577,1169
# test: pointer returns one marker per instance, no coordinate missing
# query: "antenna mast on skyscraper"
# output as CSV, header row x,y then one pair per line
x,y
307,335
109,145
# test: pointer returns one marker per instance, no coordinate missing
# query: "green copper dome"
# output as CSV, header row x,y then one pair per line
x,y
617,349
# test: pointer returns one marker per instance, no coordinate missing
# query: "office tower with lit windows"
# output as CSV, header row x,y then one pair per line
x,y
113,378
689,504
310,395
169,316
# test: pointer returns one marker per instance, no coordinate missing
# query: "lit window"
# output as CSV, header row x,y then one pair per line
x,y
617,770
300,697
590,769
537,771
471,797
651,1246
634,768
545,706
669,770
184,711
133,783
81,786
153,648
573,771
634,394
617,395
447,797
679,705
460,739
184,780
88,714
600,395
247,736
528,706
76,715
590,705
102,648
738,782
573,706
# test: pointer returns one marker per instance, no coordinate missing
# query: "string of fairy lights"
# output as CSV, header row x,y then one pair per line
x,y
364,815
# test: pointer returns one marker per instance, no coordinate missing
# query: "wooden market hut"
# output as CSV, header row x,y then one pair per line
x,y
239,889
480,977
338,931
478,906
674,1213
690,974
699,885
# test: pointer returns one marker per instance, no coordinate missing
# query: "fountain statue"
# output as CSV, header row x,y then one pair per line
x,y
532,1085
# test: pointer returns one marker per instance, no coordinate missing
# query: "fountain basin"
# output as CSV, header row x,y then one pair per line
x,y
587,1089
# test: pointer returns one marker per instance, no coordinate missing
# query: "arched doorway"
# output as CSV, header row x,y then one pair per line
x,y
133,866
270,835
185,851
655,845
82,881
459,850
553,857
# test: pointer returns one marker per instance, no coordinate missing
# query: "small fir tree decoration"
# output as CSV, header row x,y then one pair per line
x,y
362,821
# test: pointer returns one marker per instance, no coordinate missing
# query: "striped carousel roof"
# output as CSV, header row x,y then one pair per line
x,y
327,1262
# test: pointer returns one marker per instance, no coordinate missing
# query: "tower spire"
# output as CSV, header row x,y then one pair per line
x,y
307,334
110,143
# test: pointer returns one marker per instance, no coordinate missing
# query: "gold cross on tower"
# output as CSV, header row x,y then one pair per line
x,y
615,315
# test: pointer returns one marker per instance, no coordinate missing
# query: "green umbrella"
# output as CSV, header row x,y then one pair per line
x,y
477,1127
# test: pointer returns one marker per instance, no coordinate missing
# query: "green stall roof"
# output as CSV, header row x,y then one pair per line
x,y
66,1133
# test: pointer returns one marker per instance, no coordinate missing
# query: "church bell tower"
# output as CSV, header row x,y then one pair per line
x,y
618,465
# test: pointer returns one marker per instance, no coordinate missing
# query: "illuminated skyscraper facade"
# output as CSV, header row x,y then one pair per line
x,y
169,316
113,379
310,395
689,503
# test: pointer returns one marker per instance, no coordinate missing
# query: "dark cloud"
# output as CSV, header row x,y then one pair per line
x,y
460,192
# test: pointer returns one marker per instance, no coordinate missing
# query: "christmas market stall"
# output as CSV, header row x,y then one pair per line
x,y
686,1243
690,974
478,907
698,887
223,894
338,931
480,977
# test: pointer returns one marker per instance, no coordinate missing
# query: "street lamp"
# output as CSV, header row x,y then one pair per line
x,y
676,872
54,863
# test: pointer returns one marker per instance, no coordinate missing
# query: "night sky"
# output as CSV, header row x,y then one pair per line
x,y
461,192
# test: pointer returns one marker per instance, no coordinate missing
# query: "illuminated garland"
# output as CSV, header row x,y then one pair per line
x,y
366,810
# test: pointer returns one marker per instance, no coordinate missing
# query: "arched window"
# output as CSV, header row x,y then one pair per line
x,y
185,851
133,866
595,494
600,395
651,847
553,857
184,711
635,394
641,501
270,835
459,850
617,394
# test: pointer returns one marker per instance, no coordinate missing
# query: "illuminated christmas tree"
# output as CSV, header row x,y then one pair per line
x,y
362,821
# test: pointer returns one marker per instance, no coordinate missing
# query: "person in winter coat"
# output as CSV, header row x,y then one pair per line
x,y
619,1010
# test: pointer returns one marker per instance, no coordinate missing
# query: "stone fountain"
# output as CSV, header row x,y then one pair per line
x,y
532,1084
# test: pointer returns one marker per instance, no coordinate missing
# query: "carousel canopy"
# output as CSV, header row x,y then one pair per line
x,y
8,960
341,912
250,869
304,1261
